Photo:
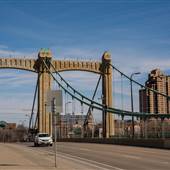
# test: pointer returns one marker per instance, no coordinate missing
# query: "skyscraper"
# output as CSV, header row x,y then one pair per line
x,y
151,102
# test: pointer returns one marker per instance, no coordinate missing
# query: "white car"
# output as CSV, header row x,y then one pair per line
x,y
43,139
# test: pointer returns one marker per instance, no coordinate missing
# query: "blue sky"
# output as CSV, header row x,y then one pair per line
x,y
136,33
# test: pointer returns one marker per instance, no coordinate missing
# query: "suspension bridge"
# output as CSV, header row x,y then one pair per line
x,y
48,70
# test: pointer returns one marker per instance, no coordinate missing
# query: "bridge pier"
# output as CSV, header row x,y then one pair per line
x,y
45,82
108,118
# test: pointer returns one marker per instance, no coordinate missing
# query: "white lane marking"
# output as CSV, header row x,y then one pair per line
x,y
90,161
84,149
82,160
119,154
73,159
133,149
164,162
131,156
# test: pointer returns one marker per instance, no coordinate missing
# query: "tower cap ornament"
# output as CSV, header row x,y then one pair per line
x,y
106,56
45,53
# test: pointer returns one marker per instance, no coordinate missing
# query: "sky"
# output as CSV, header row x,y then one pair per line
x,y
136,33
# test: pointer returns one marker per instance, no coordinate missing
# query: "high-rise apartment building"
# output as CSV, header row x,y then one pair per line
x,y
151,102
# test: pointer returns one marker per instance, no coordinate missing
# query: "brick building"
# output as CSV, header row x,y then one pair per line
x,y
151,102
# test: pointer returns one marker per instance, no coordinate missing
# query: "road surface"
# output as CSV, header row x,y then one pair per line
x,y
82,156
26,157
114,156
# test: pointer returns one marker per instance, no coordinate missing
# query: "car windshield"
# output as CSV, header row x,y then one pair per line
x,y
43,135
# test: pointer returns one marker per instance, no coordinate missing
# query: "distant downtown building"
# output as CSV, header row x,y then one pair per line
x,y
151,102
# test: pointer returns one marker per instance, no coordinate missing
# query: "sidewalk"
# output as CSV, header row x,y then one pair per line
x,y
20,157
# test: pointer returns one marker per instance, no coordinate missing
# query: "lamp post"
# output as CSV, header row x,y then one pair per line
x,y
22,122
131,89
27,115
45,114
66,116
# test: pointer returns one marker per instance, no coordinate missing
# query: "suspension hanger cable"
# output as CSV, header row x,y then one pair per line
x,y
73,106
122,98
82,111
73,95
113,82
74,90
94,94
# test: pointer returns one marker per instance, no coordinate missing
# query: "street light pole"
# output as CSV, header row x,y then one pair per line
x,y
45,114
27,115
131,89
22,122
55,128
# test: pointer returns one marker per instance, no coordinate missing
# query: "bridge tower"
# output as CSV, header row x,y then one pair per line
x,y
44,85
108,119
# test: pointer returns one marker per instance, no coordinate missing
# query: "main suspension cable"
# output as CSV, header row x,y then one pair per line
x,y
74,90
73,95
33,104
102,107
145,87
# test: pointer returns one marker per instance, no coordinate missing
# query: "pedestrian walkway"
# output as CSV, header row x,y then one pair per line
x,y
21,157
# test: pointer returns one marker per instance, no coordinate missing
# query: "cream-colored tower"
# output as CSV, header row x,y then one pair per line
x,y
45,81
108,118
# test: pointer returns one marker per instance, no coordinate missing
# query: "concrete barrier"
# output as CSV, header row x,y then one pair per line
x,y
152,143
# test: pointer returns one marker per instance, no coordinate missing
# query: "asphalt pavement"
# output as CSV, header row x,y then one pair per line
x,y
82,156
115,156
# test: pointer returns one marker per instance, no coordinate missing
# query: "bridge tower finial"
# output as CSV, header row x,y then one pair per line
x,y
106,56
45,53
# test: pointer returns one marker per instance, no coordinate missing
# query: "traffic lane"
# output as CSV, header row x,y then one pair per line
x,y
45,155
90,164
161,154
124,157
